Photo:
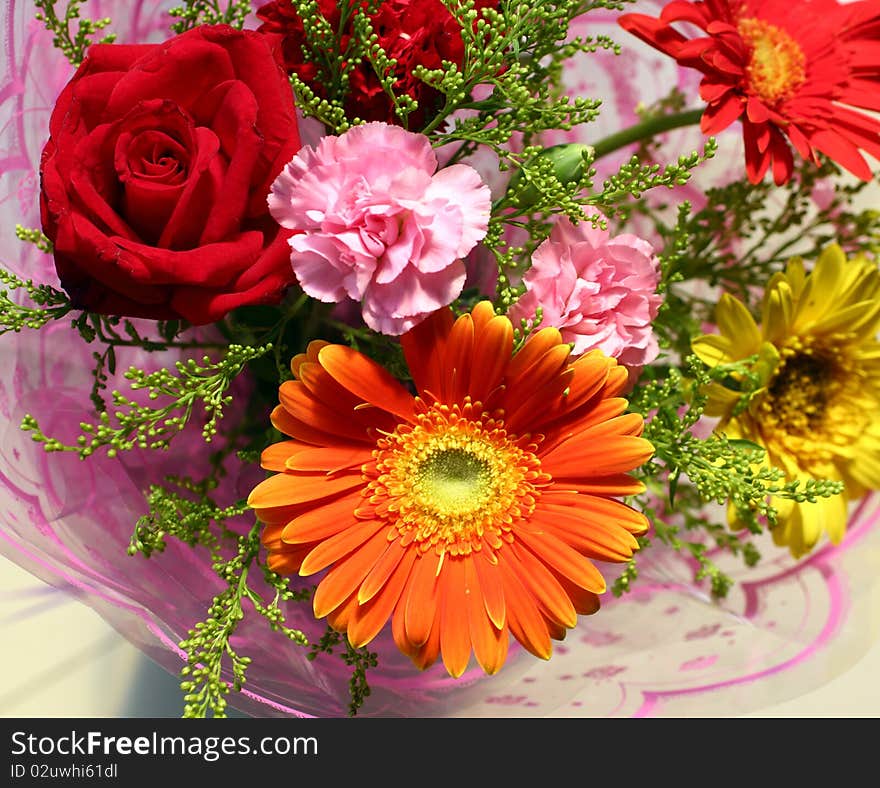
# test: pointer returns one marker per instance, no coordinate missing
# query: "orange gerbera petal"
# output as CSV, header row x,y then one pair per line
x,y
585,602
492,348
398,628
421,601
597,509
371,615
285,489
323,388
281,554
554,630
426,655
613,484
539,343
608,543
383,570
490,642
279,516
322,519
340,617
455,636
618,380
564,559
492,588
627,424
589,376
467,514
482,314
327,458
528,412
613,455
274,457
302,405
542,371
285,563
344,578
525,622
296,428
364,378
457,361
311,354
563,428
339,545
423,348
544,586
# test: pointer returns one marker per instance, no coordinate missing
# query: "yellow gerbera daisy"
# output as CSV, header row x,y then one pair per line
x,y
817,410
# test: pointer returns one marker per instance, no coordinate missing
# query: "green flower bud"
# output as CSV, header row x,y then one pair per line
x,y
568,163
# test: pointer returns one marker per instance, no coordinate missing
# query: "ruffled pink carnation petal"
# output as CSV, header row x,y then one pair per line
x,y
462,186
598,290
379,225
385,311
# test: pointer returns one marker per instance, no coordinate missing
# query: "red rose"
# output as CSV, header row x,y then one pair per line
x,y
156,172
413,32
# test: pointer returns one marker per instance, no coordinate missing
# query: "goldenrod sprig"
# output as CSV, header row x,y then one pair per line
x,y
208,644
359,659
210,12
72,43
688,472
185,511
51,304
133,424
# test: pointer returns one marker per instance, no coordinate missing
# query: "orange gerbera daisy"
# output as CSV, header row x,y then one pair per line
x,y
465,514
787,70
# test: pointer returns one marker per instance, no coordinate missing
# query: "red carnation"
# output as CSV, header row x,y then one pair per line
x,y
413,32
788,71
280,17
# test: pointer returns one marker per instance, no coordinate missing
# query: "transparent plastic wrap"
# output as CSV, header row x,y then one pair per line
x,y
666,648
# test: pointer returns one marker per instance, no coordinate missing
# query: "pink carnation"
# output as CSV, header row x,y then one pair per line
x,y
377,223
598,290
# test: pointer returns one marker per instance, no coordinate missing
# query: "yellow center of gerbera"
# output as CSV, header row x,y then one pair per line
x,y
814,407
453,477
455,482
777,64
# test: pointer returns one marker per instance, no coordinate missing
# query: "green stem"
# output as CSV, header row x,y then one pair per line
x,y
645,130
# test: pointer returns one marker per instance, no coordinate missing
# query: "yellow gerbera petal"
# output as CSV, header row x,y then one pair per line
x,y
720,400
796,276
736,323
713,350
778,311
821,289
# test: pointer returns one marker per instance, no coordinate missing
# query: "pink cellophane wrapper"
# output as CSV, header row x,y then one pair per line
x,y
665,649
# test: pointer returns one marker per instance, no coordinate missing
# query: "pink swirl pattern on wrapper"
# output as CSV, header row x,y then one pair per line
x,y
666,649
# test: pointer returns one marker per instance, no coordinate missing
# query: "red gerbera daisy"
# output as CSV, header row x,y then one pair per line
x,y
787,70
466,514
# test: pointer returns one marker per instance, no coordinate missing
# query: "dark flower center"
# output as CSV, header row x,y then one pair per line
x,y
800,391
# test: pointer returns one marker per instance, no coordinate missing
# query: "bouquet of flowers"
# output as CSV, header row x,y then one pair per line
x,y
392,341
